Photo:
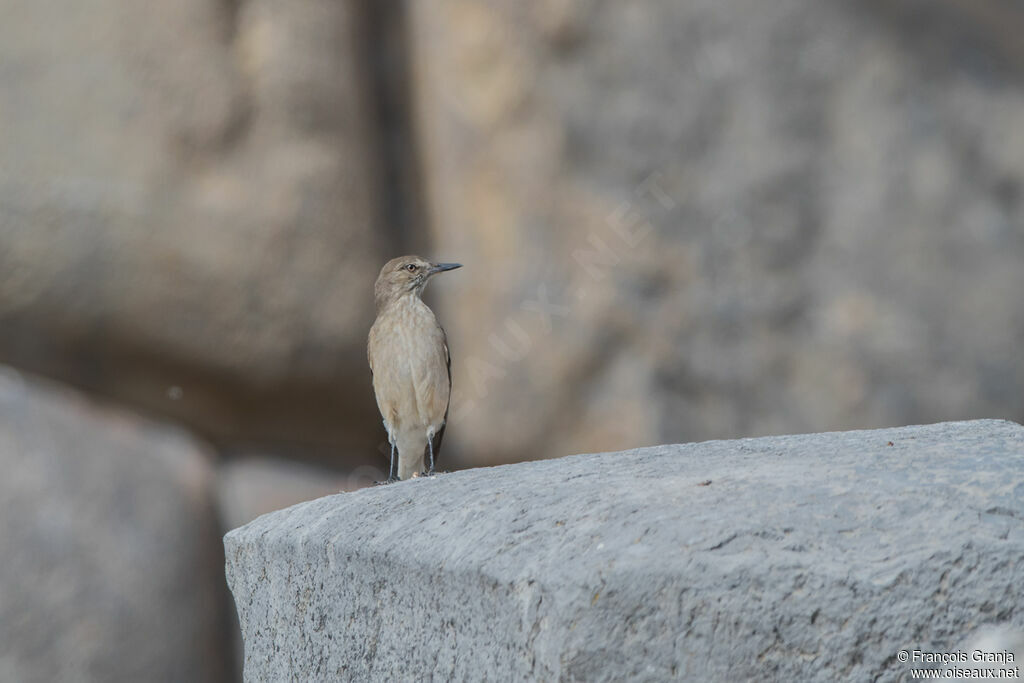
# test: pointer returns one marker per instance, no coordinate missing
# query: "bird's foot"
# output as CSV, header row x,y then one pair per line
x,y
389,480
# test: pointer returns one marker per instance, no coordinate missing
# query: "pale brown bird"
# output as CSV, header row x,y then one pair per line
x,y
410,364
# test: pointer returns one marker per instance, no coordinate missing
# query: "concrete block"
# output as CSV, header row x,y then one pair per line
x,y
813,557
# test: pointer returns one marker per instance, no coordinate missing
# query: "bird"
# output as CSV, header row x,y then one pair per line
x,y
410,365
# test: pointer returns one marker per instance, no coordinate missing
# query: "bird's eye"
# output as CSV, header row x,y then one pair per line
x,y
411,267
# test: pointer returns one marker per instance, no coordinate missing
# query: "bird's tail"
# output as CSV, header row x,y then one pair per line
x,y
412,445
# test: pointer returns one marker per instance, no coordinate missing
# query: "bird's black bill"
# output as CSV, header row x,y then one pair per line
x,y
441,267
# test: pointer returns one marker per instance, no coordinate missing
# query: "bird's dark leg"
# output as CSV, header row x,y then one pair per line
x,y
430,442
391,470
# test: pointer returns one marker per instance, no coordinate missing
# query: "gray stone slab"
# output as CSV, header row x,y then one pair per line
x,y
814,557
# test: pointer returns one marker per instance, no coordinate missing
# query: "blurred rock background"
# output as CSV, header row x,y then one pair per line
x,y
680,221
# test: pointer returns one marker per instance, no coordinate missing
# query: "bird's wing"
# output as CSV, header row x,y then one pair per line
x,y
440,432
448,362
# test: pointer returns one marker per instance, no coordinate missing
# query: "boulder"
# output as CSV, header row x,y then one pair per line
x,y
188,211
253,485
713,219
813,557
111,560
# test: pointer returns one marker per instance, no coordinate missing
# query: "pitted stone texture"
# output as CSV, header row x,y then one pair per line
x,y
814,557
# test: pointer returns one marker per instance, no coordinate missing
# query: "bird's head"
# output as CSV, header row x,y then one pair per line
x,y
406,275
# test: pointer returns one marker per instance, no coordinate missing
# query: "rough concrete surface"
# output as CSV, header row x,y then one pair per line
x,y
814,557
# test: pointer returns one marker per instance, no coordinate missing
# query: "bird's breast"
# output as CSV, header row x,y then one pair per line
x,y
410,370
